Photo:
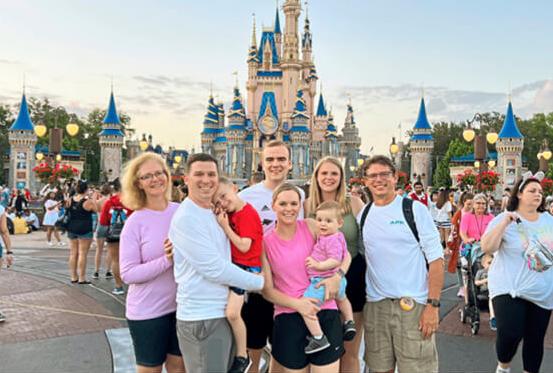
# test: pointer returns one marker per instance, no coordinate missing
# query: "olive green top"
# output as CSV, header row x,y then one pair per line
x,y
351,233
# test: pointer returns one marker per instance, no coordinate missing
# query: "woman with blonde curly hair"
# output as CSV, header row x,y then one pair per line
x,y
328,184
145,267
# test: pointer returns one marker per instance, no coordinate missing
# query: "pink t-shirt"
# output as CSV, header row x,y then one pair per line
x,y
152,288
287,261
475,226
328,247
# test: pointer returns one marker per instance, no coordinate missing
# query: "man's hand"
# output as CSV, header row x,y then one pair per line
x,y
428,323
332,286
168,248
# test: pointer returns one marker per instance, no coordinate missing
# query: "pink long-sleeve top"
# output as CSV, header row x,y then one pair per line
x,y
144,266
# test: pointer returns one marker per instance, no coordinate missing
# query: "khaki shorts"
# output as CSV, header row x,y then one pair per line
x,y
392,336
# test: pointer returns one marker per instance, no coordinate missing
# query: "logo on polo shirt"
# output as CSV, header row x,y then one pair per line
x,y
397,222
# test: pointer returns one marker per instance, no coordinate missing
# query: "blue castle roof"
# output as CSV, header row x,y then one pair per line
x,y
510,128
23,121
422,121
277,23
111,115
249,137
237,109
268,36
469,158
221,139
268,102
321,109
422,137
286,138
111,132
211,117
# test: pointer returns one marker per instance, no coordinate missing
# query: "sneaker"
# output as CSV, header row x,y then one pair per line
x,y
96,275
461,293
60,244
50,243
493,324
316,345
240,365
2,317
349,330
109,275
118,291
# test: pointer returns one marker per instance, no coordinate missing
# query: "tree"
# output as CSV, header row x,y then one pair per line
x,y
456,147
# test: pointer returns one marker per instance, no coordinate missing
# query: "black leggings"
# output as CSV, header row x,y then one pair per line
x,y
518,319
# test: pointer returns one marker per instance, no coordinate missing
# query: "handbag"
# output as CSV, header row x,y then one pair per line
x,y
63,219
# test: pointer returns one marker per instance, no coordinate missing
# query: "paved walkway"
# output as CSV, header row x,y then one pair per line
x,y
55,326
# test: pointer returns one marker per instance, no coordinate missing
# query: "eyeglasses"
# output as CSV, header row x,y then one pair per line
x,y
150,176
382,175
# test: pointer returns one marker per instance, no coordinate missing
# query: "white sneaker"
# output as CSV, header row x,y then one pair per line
x,y
50,243
61,243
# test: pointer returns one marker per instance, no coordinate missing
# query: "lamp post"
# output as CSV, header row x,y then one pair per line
x,y
474,132
544,156
143,143
56,138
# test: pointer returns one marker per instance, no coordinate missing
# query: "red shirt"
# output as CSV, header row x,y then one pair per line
x,y
112,202
423,199
247,224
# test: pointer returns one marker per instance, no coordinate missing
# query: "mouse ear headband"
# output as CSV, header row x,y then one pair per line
x,y
528,176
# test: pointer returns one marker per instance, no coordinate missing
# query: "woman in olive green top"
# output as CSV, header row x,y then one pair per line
x,y
328,184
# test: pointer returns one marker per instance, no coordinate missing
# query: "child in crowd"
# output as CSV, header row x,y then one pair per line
x,y
481,280
242,225
327,255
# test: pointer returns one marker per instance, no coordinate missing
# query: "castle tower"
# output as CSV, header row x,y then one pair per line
x,y
422,145
248,149
236,136
111,142
22,139
349,142
220,141
509,149
278,34
330,145
309,74
300,139
211,125
291,65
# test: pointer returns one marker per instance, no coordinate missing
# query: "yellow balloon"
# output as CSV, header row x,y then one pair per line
x,y
72,129
492,137
40,130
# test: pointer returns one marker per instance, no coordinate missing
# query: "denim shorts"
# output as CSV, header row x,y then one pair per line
x,y
102,231
319,294
75,236
248,269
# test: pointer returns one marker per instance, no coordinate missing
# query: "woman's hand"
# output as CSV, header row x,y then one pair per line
x,y
308,307
332,286
168,248
510,217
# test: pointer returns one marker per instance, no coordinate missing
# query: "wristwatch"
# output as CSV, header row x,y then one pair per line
x,y
433,302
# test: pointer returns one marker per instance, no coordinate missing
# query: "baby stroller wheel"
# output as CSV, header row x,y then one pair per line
x,y
475,327
463,315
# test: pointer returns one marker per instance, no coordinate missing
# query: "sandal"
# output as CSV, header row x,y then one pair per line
x,y
74,281
84,282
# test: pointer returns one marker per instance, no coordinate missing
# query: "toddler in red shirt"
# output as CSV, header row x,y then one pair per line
x,y
242,225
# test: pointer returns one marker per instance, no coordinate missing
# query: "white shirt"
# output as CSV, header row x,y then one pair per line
x,y
433,210
443,215
202,266
261,198
396,265
32,219
509,272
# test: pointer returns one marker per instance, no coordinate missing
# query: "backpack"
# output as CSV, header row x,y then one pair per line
x,y
407,207
118,218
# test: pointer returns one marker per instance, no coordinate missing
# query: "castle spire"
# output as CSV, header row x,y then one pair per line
x,y
23,121
321,108
111,114
277,21
254,37
510,128
422,121
306,41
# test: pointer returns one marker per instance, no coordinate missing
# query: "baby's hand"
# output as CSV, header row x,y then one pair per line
x,y
311,263
222,219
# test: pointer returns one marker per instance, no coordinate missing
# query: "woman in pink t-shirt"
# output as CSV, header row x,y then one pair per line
x,y
474,224
287,247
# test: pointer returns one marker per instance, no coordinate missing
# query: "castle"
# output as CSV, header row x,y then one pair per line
x,y
280,105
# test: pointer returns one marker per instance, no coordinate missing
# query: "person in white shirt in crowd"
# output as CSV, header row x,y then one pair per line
x,y
520,280
418,193
403,295
505,199
51,215
443,215
258,312
203,272
432,206
31,219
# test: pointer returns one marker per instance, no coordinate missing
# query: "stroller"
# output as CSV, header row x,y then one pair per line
x,y
471,262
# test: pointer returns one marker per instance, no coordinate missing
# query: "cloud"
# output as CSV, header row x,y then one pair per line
x,y
5,61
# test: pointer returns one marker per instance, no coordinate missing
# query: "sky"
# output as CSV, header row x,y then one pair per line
x,y
163,55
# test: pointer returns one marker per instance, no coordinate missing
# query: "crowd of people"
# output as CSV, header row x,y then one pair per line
x,y
311,272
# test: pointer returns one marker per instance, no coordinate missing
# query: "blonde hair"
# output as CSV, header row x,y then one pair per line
x,y
132,196
285,187
315,193
331,206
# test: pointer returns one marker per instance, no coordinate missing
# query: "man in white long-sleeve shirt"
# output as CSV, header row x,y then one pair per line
x,y
204,272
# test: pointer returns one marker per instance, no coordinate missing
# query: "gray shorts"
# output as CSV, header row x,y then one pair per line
x,y
206,345
102,231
